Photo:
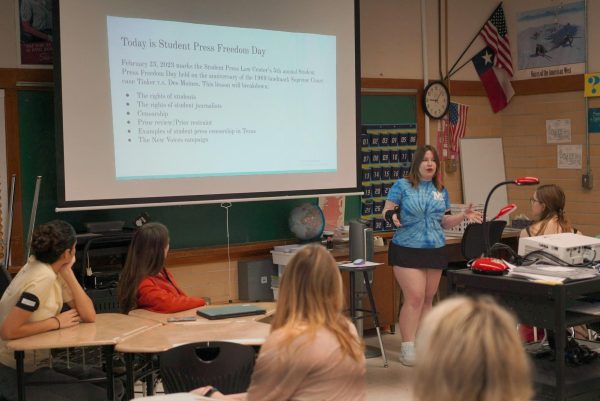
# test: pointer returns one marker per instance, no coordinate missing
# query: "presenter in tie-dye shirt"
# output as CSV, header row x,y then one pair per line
x,y
418,206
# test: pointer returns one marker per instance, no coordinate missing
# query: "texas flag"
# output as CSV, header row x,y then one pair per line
x,y
495,80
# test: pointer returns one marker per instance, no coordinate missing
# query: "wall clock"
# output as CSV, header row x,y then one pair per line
x,y
436,99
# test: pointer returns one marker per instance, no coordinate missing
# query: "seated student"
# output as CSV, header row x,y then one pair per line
x,y
548,212
32,304
145,283
469,350
313,352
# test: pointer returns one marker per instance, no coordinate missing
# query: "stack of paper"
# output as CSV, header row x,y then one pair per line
x,y
552,274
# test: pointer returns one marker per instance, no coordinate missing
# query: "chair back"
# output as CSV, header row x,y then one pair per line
x,y
5,279
226,366
473,243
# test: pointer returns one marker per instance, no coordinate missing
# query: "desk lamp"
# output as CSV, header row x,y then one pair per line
x,y
487,264
508,209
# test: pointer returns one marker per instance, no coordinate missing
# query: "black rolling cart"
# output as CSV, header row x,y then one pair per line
x,y
548,306
100,259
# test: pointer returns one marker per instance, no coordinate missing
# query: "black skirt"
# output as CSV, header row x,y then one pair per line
x,y
417,258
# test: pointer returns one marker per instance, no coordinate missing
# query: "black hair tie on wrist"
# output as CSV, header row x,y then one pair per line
x,y
390,214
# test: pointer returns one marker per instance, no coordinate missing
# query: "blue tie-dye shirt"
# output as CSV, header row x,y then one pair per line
x,y
421,212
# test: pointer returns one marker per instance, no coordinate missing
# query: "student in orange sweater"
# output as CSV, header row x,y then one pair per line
x,y
145,283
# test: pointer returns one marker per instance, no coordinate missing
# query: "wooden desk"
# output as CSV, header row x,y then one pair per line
x,y
544,306
163,338
163,317
106,331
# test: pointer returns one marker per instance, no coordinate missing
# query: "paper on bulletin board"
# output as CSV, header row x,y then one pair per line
x,y
558,131
333,208
569,156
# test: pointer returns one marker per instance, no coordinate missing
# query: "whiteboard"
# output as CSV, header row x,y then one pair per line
x,y
482,167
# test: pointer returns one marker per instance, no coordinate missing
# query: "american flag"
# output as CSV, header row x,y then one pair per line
x,y
442,139
457,116
495,34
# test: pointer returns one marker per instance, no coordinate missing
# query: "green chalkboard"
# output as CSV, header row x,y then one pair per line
x,y
389,109
190,226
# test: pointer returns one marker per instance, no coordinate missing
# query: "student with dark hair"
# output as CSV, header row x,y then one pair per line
x,y
32,304
145,282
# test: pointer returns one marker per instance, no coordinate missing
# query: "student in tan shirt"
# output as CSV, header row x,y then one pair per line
x,y
32,304
313,352
548,211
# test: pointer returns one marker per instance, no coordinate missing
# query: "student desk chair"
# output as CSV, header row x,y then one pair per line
x,y
163,338
473,242
163,318
106,331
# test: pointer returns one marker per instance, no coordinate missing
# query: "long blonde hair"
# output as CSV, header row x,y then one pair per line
x,y
468,349
311,297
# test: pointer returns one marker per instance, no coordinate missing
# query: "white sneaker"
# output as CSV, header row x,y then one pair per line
x,y
407,354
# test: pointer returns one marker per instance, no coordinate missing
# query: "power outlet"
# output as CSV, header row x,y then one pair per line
x,y
587,181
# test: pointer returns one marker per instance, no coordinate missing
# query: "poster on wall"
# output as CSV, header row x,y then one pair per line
x,y
333,208
558,131
569,156
594,120
551,41
35,39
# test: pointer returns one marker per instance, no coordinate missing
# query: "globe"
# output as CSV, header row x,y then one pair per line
x,y
307,222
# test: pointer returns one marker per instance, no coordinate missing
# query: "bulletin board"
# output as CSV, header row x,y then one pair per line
x,y
386,154
388,141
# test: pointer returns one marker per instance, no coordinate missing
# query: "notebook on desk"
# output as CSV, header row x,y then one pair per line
x,y
224,312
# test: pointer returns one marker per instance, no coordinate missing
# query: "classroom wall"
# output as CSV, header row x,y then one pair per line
x,y
391,34
390,37
391,48
482,122
8,34
522,127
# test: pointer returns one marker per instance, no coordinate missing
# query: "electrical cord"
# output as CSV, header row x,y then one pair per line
x,y
545,257
540,256
514,257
